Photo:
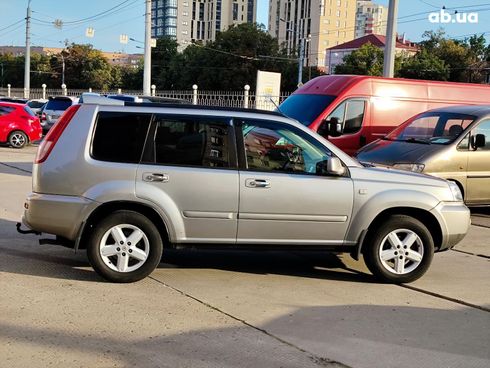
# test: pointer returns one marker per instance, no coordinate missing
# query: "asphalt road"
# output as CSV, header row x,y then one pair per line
x,y
235,309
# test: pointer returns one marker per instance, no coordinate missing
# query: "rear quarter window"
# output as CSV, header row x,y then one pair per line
x,y
119,136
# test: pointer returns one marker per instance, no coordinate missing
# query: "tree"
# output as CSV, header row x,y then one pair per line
x,y
84,67
367,60
424,65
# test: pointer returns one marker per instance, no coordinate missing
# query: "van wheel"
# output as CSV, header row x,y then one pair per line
x,y
400,251
125,247
18,139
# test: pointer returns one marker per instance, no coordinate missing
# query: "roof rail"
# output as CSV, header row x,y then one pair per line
x,y
101,100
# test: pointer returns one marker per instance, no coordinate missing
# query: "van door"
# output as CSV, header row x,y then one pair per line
x,y
189,171
351,115
282,198
478,182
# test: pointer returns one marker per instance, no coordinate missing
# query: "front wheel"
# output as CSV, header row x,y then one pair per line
x,y
400,251
18,139
125,247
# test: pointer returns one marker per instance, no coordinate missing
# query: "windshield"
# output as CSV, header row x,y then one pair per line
x,y
35,104
432,128
305,108
29,111
58,104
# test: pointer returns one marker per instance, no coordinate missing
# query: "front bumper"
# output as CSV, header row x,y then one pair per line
x,y
455,221
57,214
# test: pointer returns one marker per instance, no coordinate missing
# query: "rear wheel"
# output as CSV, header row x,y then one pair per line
x,y
400,251
125,247
18,139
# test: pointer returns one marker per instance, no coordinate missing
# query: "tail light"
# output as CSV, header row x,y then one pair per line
x,y
54,134
43,116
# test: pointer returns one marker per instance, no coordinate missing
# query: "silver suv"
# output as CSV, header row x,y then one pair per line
x,y
127,180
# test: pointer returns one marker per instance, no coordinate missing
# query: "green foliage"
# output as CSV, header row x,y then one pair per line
x,y
367,60
424,65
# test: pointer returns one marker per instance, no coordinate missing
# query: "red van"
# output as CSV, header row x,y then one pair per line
x,y
359,109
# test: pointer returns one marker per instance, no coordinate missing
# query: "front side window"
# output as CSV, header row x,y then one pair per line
x,y
120,137
279,148
350,115
483,128
190,141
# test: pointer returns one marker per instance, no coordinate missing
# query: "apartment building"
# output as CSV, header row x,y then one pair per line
x,y
371,18
319,24
198,20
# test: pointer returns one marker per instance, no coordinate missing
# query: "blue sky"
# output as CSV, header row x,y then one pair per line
x,y
129,19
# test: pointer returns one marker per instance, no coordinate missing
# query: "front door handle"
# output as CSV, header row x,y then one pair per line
x,y
257,183
155,177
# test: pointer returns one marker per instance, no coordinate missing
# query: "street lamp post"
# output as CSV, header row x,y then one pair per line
x,y
301,42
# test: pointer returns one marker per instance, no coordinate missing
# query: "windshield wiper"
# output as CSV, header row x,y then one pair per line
x,y
416,140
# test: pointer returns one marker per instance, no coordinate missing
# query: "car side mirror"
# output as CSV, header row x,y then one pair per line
x,y
330,127
332,166
478,141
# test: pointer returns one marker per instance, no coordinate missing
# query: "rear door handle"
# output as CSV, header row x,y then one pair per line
x,y
257,183
155,177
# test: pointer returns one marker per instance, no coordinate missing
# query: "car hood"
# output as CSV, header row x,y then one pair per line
x,y
388,153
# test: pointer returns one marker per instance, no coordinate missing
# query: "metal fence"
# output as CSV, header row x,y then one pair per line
x,y
244,98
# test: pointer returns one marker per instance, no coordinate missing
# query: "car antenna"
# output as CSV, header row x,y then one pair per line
x,y
276,105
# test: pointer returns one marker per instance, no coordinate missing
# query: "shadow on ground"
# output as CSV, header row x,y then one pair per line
x,y
59,262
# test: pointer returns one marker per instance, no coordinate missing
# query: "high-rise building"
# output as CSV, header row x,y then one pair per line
x,y
371,18
198,20
320,24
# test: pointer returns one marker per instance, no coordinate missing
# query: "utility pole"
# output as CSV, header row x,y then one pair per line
x,y
389,56
147,56
300,61
62,68
27,66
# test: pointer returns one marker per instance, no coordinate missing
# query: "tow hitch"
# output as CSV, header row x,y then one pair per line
x,y
18,226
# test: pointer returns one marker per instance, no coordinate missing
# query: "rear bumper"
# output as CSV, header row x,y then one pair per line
x,y
455,221
57,214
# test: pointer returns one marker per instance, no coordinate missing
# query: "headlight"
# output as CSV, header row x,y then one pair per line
x,y
457,195
410,167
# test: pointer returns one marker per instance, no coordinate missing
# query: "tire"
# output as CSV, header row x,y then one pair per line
x,y
399,233
18,139
128,261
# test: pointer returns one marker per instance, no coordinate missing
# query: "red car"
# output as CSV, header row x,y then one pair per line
x,y
18,125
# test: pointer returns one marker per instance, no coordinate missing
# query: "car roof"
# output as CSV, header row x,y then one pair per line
x,y
12,104
476,110
189,106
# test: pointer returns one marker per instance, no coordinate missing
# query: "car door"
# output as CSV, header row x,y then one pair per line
x,y
282,198
478,177
189,171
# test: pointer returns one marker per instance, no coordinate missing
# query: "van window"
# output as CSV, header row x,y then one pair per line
x,y
483,128
305,108
190,141
350,115
120,137
432,128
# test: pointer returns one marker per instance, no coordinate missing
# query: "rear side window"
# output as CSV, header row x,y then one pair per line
x,y
4,110
120,137
190,141
58,104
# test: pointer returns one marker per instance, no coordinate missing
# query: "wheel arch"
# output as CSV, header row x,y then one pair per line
x,y
109,207
424,216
